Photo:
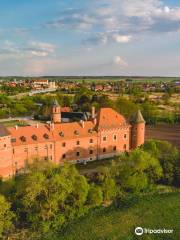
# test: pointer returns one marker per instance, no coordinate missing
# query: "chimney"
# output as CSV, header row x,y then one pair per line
x,y
52,126
95,121
82,123
93,112
37,125
16,127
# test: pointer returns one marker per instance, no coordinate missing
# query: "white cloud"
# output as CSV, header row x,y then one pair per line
x,y
120,62
33,48
122,38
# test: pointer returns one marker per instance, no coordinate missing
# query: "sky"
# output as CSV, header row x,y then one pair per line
x,y
90,37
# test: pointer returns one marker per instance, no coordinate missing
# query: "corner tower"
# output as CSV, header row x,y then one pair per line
x,y
137,130
56,112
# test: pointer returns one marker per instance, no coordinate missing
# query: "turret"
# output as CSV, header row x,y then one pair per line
x,y
138,130
56,112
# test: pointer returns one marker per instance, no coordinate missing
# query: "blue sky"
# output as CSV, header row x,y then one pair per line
x,y
90,37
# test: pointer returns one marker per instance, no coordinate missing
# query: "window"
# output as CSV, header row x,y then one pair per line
x,y
13,139
4,145
36,148
46,136
76,132
26,150
51,146
91,140
23,139
64,156
13,151
78,143
114,137
124,146
63,144
90,151
34,137
77,154
125,136
104,138
114,148
61,134
90,130
104,150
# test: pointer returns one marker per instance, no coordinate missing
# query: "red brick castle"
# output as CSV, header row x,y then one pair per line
x,y
105,135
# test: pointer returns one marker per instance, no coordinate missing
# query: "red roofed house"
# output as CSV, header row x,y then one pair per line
x,y
107,134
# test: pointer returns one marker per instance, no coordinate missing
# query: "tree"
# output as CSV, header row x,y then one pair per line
x,y
138,171
50,196
6,216
95,196
126,107
109,189
168,157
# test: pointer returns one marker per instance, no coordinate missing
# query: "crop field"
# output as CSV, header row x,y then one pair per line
x,y
168,132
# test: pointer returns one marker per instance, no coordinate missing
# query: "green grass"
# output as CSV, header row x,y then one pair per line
x,y
14,123
112,223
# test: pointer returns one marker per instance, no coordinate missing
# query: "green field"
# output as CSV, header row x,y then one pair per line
x,y
112,223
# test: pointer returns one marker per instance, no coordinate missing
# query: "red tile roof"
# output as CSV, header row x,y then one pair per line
x,y
73,130
57,132
108,118
66,109
28,132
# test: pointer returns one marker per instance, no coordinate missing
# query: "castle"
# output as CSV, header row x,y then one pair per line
x,y
105,135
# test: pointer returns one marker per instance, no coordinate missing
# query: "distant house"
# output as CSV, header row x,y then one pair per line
x,y
39,84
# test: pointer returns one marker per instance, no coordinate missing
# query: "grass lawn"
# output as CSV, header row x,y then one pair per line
x,y
14,123
112,223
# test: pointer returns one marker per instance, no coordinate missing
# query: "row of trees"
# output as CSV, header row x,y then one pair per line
x,y
49,197
41,105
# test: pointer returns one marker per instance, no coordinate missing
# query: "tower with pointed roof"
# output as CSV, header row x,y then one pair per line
x,y
56,112
137,130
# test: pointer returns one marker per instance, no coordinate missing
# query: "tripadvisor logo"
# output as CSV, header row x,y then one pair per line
x,y
139,231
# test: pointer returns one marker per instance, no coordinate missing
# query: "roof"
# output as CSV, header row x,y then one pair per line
x,y
108,118
137,118
66,109
55,103
61,131
28,132
4,131
40,81
73,130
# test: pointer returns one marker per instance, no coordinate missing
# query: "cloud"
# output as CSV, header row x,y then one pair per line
x,y
33,48
119,61
40,49
118,21
122,38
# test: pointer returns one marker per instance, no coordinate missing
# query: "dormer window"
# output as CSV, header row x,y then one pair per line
x,y
90,130
23,139
34,137
76,132
46,136
61,134
13,140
